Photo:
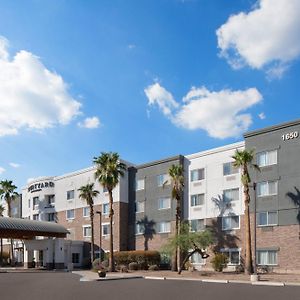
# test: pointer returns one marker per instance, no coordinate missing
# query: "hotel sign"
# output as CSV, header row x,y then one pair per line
x,y
39,186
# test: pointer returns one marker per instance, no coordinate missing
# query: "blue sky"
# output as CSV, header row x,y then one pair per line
x,y
147,79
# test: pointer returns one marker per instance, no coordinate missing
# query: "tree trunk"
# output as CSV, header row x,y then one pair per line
x,y
186,259
92,233
111,242
1,253
12,258
175,255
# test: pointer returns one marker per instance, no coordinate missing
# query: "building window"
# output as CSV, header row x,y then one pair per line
x,y
139,228
197,174
28,203
197,199
266,188
35,202
86,211
229,169
70,214
196,258
105,190
164,227
231,195
233,256
266,158
75,258
140,206
140,184
105,229
51,217
70,195
105,208
163,179
267,218
230,222
164,203
87,231
267,257
35,217
197,225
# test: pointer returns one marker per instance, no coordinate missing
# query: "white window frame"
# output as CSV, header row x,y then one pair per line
x,y
198,171
84,210
140,204
231,228
161,200
232,168
139,229
35,204
229,251
266,250
105,213
193,203
84,228
67,214
70,199
163,179
268,188
266,212
164,222
140,184
105,225
230,190
267,158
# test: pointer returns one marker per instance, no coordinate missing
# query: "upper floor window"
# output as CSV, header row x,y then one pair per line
x,y
35,217
197,174
140,206
231,195
70,195
87,231
197,225
140,184
35,202
70,214
105,208
266,188
86,211
164,203
267,218
163,179
105,229
197,199
266,158
229,169
230,222
164,227
50,199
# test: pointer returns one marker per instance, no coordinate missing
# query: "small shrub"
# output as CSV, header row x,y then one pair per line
x,y
97,265
123,269
219,262
153,268
133,266
105,263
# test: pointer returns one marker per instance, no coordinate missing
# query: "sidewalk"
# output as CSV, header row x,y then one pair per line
x,y
270,279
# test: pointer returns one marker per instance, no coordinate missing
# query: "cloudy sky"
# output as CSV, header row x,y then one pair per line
x,y
147,79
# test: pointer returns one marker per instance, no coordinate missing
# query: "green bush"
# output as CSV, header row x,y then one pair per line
x,y
143,258
219,262
153,268
133,266
97,265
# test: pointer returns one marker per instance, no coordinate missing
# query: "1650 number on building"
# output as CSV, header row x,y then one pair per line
x,y
290,135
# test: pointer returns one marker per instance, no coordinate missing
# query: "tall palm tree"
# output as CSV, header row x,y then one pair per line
x,y
109,170
88,194
243,159
8,193
1,241
177,182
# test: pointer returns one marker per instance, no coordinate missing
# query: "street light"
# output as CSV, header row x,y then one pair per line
x,y
100,243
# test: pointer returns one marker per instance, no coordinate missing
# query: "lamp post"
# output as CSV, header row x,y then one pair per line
x,y
100,242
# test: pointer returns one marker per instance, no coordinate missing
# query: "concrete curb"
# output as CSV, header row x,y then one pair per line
x,y
154,278
215,280
270,283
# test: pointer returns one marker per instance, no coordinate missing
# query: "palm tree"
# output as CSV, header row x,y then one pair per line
x,y
177,182
243,159
88,194
1,241
148,229
109,170
8,193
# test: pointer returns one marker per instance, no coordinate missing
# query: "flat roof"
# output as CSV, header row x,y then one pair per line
x,y
160,161
27,229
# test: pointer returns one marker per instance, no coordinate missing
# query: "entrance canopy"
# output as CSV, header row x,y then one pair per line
x,y
28,229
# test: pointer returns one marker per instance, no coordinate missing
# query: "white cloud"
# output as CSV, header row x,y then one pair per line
x,y
2,170
219,113
268,37
262,116
131,46
32,97
90,123
14,165
159,95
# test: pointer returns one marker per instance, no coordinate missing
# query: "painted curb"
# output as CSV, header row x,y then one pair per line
x,y
270,283
214,280
155,278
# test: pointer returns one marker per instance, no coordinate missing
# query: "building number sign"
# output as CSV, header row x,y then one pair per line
x,y
290,135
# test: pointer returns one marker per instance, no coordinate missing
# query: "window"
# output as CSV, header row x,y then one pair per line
x,y
233,256
267,218
139,229
230,195
139,184
197,199
70,214
163,179
266,158
231,222
50,200
35,217
197,174
105,208
140,206
51,217
196,258
229,169
87,231
164,203
105,229
86,211
267,257
164,227
75,258
70,195
266,188
28,203
105,190
197,225
35,202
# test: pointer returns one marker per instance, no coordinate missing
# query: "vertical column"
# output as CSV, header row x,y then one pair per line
x,y
59,254
28,257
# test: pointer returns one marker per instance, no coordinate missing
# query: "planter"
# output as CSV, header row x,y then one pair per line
x,y
102,274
